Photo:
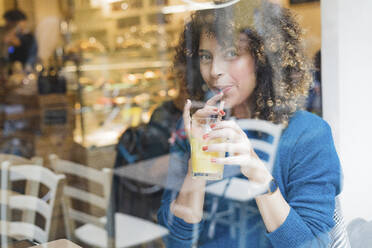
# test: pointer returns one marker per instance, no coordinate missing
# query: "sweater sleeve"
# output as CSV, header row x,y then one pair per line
x,y
312,184
181,233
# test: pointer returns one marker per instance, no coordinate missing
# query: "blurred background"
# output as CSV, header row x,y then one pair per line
x,y
76,74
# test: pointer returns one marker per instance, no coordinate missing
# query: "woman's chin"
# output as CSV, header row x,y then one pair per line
x,y
229,103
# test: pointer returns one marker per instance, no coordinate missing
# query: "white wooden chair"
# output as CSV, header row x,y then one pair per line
x,y
15,160
31,201
338,235
131,230
31,188
231,188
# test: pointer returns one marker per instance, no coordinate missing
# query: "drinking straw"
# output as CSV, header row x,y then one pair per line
x,y
222,103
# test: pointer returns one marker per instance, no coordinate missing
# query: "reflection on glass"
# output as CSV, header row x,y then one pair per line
x,y
251,57
107,91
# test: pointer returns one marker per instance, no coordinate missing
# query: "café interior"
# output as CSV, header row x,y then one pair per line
x,y
81,165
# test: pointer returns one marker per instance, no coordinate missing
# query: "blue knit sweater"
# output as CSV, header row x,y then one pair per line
x,y
307,170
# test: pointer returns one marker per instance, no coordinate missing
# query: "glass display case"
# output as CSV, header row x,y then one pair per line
x,y
118,60
113,96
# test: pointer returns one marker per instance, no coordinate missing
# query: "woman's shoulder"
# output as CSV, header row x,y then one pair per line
x,y
304,120
306,130
304,125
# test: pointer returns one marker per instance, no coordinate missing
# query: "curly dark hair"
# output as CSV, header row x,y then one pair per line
x,y
282,69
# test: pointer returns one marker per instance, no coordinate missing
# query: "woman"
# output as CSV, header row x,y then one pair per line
x,y
263,74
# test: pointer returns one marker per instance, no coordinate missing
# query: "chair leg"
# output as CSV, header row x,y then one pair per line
x,y
110,243
232,218
213,217
242,227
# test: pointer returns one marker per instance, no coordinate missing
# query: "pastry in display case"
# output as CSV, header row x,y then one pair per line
x,y
122,54
114,100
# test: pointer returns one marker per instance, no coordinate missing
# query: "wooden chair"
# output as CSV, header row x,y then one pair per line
x,y
10,201
15,160
338,235
31,188
270,145
231,188
132,230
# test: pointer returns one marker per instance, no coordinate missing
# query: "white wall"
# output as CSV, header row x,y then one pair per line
x,y
347,97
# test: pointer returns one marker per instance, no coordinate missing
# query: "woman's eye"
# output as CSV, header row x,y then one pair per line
x,y
231,54
204,58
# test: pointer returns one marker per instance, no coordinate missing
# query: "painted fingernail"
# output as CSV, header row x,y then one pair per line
x,y
221,92
213,160
205,136
215,109
222,112
213,125
205,148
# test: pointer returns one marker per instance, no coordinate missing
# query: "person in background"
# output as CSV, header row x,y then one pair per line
x,y
19,42
259,72
314,100
147,141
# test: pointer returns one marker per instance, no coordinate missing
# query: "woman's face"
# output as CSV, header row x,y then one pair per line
x,y
230,69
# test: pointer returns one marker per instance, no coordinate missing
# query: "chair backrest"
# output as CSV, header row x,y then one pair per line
x,y
32,188
272,130
16,160
338,234
35,203
266,141
102,179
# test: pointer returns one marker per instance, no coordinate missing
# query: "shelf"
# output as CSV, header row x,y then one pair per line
x,y
135,12
136,40
120,66
20,116
18,134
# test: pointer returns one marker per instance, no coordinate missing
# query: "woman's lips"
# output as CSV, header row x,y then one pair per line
x,y
225,90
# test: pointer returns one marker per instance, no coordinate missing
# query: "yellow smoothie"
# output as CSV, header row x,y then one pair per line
x,y
201,160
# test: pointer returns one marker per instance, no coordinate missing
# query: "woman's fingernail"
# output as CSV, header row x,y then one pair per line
x,y
205,148
222,112
221,93
205,136
215,109
213,160
213,125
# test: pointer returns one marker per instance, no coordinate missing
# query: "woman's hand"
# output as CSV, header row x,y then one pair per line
x,y
208,110
190,200
240,151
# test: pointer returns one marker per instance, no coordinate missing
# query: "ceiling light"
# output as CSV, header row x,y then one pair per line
x,y
124,6
193,5
211,4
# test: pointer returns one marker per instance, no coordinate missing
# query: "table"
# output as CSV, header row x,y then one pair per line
x,y
9,242
154,171
151,171
61,243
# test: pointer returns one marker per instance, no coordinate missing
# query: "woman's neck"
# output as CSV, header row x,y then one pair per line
x,y
242,111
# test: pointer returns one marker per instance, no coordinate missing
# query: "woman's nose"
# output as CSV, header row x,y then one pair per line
x,y
218,68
